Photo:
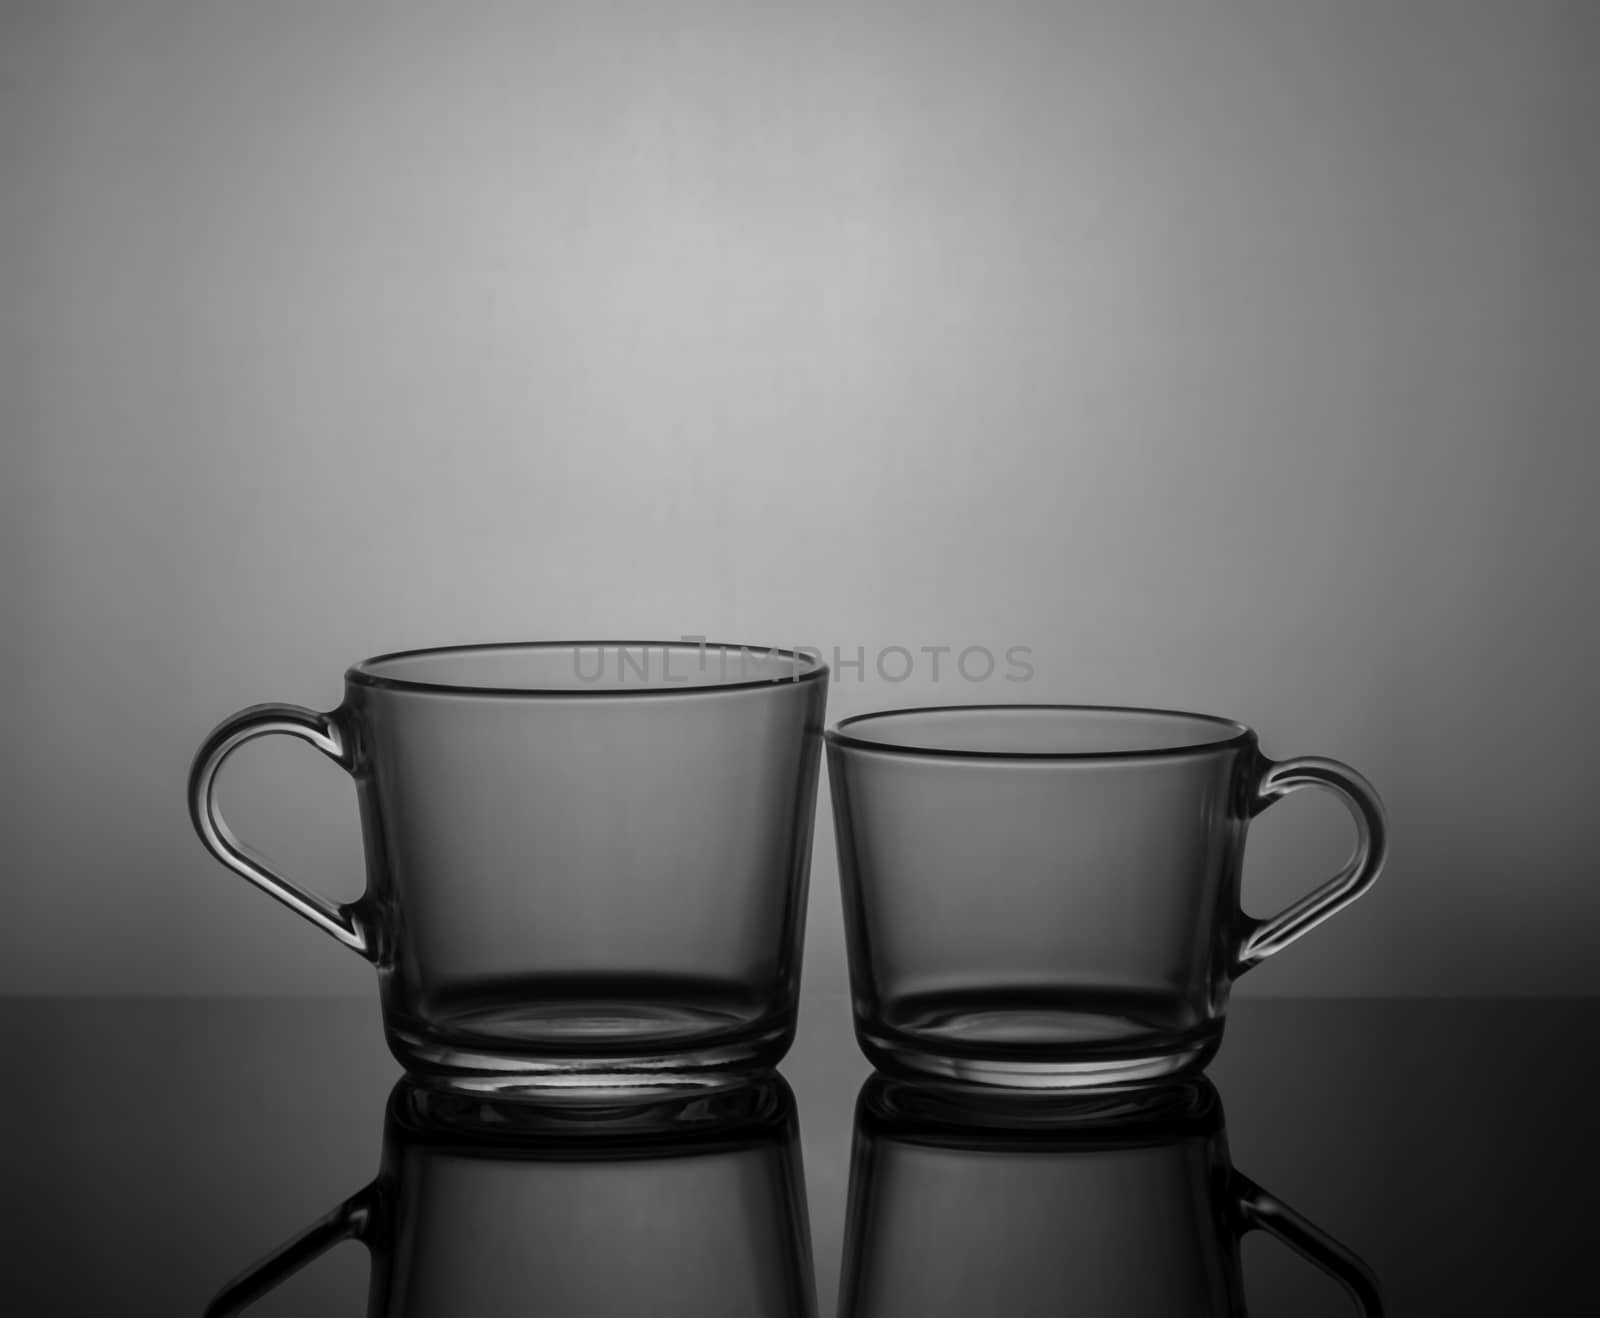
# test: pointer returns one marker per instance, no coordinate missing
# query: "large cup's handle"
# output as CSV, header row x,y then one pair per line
x,y
352,1220
328,735
1261,1211
1263,938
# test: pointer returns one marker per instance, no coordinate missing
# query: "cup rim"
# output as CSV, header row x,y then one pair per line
x,y
808,669
1238,735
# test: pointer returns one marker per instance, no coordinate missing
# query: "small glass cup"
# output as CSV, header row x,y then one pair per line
x,y
586,863
485,1205
1047,896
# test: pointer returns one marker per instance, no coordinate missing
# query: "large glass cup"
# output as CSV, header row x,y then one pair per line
x,y
586,863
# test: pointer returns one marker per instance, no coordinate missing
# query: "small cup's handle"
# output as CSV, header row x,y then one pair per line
x,y
1263,938
1259,1210
352,1220
327,734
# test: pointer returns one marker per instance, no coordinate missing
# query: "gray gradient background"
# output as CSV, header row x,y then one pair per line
x,y
1235,356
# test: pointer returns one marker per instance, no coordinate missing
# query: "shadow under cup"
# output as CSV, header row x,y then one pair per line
x,y
1048,896
586,863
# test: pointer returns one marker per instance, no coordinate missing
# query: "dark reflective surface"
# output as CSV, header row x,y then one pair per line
x,y
153,1149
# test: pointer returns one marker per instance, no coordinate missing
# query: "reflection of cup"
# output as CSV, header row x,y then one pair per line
x,y
1122,1204
483,1206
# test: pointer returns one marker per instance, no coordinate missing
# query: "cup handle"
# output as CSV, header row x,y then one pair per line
x,y
1261,1211
1263,938
328,735
351,1220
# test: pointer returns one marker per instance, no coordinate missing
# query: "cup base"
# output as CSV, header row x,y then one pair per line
x,y
907,1058
554,1077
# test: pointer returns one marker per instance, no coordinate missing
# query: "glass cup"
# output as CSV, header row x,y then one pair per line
x,y
690,1205
1129,1205
1047,896
586,863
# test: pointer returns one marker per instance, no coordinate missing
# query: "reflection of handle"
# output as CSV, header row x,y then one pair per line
x,y
323,731
1259,1210
1262,938
351,1220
